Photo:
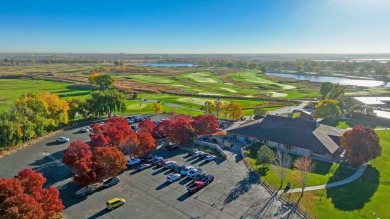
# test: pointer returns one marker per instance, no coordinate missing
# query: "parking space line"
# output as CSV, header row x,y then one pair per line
x,y
52,157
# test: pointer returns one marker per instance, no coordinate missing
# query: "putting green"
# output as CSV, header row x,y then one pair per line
x,y
180,85
211,94
194,100
276,94
152,79
137,106
252,77
201,77
228,89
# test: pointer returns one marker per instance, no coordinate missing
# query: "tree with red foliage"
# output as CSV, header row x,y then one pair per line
x,y
108,161
162,129
21,207
24,197
181,131
361,144
205,124
75,152
146,126
83,171
31,180
116,133
9,188
146,143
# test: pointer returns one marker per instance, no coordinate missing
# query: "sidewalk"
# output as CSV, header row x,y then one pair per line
x,y
352,178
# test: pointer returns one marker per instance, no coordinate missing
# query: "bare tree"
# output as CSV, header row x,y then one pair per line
x,y
303,166
282,163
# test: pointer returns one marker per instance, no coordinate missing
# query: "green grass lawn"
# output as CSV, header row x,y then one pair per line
x,y
11,89
323,172
367,197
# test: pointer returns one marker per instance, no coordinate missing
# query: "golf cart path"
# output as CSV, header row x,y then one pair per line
x,y
352,178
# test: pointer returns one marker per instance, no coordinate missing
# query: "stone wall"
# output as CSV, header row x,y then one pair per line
x,y
211,146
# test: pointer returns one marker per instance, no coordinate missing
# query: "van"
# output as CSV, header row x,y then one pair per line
x,y
114,203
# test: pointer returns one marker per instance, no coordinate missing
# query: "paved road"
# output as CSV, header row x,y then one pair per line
x,y
288,109
234,194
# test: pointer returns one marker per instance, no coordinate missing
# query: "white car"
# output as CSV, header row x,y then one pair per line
x,y
184,171
168,164
133,162
85,129
144,166
210,158
173,177
197,153
192,172
62,139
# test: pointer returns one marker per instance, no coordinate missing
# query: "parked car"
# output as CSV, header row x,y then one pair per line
x,y
135,128
144,166
203,155
112,181
114,203
199,176
161,163
172,146
197,153
84,129
153,159
192,172
184,171
147,157
168,164
196,186
173,177
177,168
133,162
192,152
130,121
62,139
208,179
210,158
157,160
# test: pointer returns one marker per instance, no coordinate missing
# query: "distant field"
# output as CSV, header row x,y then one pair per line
x,y
11,89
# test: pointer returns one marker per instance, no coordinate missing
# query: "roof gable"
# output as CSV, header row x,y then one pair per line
x,y
296,132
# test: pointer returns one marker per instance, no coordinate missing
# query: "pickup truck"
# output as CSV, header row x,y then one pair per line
x,y
196,186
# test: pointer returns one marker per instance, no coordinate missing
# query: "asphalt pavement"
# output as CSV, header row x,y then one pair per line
x,y
234,194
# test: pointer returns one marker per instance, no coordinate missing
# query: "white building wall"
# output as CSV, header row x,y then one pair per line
x,y
303,151
272,144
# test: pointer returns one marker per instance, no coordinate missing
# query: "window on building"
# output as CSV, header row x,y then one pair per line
x,y
288,147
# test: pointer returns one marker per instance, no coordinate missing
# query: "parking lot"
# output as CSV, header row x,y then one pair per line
x,y
233,194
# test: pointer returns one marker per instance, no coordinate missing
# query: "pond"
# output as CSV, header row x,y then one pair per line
x,y
168,65
331,79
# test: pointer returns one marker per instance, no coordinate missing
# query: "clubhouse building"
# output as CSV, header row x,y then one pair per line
x,y
300,136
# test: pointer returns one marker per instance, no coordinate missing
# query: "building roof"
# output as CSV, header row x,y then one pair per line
x,y
298,132
373,100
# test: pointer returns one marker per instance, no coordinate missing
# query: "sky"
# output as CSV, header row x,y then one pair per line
x,y
195,26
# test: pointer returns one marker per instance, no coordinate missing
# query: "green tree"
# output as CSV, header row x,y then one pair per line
x,y
327,108
265,156
106,102
326,87
259,111
76,106
336,92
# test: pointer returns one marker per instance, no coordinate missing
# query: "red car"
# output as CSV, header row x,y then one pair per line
x,y
196,186
161,163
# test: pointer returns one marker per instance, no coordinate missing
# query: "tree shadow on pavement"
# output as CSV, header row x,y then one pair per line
x,y
99,214
242,187
52,168
68,194
355,195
